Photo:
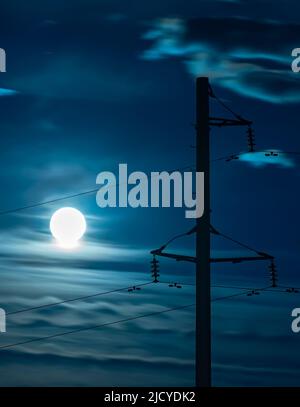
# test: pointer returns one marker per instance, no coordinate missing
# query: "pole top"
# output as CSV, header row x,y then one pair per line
x,y
202,78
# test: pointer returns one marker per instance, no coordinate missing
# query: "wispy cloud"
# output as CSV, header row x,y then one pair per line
x,y
268,157
245,59
7,92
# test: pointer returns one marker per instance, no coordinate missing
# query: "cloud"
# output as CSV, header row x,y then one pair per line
x,y
249,57
23,245
52,276
268,157
7,92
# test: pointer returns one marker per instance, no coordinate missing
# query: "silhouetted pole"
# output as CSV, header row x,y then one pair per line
x,y
203,313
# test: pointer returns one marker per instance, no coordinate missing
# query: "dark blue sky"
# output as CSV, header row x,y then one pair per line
x,y
98,83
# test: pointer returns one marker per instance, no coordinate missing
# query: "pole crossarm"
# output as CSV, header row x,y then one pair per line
x,y
177,257
239,259
222,122
192,259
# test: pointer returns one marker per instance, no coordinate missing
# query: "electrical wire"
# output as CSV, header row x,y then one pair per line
x,y
236,115
88,192
216,232
212,286
95,326
279,289
225,157
53,304
248,289
51,201
43,338
93,191
241,244
226,297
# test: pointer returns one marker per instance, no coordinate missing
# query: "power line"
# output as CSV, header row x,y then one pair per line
x,y
51,201
238,242
182,284
216,232
95,326
63,198
213,285
93,191
239,288
270,289
247,292
231,296
224,105
53,304
12,345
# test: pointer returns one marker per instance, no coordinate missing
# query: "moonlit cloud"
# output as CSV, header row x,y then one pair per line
x,y
268,157
7,92
244,59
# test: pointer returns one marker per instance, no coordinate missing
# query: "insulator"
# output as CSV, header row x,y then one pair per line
x,y
273,273
271,154
232,157
155,269
250,139
292,290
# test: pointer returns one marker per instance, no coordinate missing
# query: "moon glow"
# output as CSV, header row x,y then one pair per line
x,y
67,226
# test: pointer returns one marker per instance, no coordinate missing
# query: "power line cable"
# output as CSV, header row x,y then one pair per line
x,y
225,106
238,242
181,284
93,191
12,345
226,297
88,192
213,285
95,326
53,304
218,233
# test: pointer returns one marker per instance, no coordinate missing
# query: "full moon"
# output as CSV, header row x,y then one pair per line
x,y
67,226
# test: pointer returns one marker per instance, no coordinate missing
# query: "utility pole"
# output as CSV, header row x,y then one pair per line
x,y
203,229
203,307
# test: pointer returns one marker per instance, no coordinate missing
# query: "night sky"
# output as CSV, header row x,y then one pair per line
x,y
91,84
